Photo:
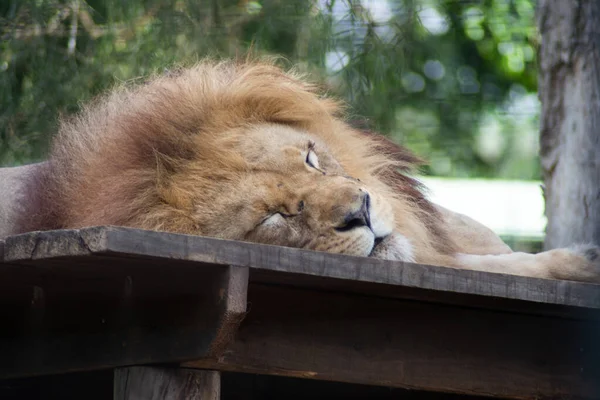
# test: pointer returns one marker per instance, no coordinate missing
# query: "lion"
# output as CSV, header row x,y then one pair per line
x,y
248,151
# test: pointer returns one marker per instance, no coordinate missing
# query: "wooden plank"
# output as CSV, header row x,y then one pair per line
x,y
415,345
89,312
425,280
150,383
327,316
382,290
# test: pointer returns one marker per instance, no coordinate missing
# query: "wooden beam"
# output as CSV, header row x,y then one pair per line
x,y
392,278
150,383
312,315
88,312
416,345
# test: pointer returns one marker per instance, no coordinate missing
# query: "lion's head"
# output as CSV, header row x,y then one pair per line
x,y
276,184
239,151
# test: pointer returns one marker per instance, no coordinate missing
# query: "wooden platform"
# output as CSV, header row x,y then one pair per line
x,y
109,298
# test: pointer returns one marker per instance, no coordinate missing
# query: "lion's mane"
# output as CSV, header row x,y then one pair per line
x,y
111,163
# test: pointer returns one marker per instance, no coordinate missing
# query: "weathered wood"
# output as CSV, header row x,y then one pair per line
x,y
569,86
312,315
430,281
89,312
416,345
149,383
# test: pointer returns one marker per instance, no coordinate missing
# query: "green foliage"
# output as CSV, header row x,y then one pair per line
x,y
454,80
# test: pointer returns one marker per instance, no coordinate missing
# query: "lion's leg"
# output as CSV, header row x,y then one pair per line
x,y
470,236
578,263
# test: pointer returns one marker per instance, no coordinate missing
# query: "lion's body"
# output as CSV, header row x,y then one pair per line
x,y
245,151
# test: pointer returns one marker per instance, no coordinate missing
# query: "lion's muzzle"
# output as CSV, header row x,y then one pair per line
x,y
359,217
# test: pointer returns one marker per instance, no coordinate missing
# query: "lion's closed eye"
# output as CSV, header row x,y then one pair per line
x,y
311,157
278,218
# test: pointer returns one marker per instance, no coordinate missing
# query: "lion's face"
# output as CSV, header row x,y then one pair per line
x,y
282,186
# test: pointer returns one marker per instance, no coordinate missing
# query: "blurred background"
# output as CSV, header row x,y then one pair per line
x,y
453,80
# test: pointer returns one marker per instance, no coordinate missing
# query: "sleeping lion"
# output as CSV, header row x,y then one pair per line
x,y
247,151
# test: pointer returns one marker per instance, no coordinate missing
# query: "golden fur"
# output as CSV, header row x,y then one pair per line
x,y
246,151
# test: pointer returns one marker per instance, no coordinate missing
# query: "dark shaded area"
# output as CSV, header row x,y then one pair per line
x,y
99,386
261,387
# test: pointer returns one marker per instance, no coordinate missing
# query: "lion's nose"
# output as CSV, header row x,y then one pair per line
x,y
359,217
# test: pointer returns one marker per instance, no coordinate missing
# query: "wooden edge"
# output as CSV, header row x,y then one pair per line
x,y
383,290
51,244
152,383
360,269
233,303
127,242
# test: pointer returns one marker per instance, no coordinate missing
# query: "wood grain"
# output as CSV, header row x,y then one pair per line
x,y
131,243
414,345
569,89
111,297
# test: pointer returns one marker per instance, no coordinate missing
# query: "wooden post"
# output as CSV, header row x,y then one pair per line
x,y
569,85
149,383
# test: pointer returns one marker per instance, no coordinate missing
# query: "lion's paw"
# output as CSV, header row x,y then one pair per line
x,y
590,271
582,263
394,247
592,253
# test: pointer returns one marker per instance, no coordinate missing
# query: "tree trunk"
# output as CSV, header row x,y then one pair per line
x,y
569,87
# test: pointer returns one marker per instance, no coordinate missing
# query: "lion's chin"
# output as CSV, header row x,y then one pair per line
x,y
394,247
377,242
